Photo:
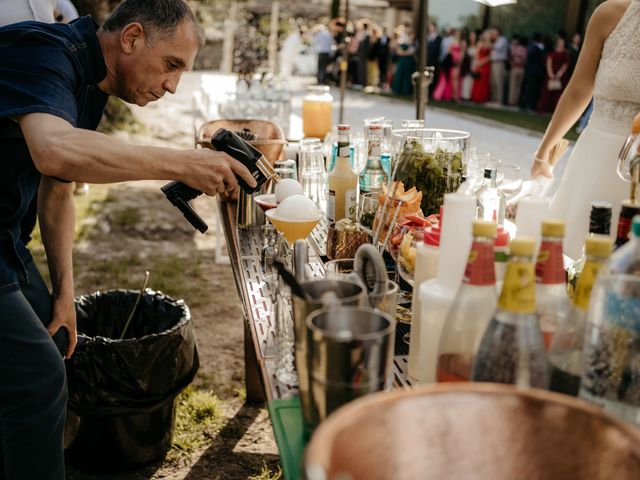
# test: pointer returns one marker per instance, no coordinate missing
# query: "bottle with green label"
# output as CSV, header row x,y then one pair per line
x,y
565,354
512,349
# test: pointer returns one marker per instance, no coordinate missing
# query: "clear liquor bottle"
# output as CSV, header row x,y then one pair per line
x,y
491,201
512,350
373,177
551,287
472,309
565,354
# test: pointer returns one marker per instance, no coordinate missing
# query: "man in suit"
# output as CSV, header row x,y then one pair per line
x,y
534,73
434,42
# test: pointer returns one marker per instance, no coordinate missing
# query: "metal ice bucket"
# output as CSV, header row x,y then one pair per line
x,y
348,293
350,356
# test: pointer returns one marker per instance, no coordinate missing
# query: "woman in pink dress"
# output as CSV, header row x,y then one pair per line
x,y
448,87
481,91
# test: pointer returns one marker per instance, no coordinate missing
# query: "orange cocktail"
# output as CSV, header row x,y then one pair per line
x,y
292,229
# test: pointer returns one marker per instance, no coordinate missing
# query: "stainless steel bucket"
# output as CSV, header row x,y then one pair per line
x,y
350,354
348,293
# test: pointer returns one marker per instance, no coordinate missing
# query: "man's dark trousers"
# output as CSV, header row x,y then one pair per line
x,y
323,63
33,390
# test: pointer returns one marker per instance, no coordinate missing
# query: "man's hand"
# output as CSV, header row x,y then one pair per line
x,y
64,315
215,172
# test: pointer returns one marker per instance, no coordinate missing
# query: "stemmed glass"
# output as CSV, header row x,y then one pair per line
x,y
509,180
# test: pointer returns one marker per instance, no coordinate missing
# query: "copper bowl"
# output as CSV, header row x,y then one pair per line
x,y
472,431
269,136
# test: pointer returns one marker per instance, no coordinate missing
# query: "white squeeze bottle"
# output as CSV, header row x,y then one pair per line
x,y
427,259
436,295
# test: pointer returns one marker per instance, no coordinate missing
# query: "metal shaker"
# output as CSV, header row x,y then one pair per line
x,y
347,293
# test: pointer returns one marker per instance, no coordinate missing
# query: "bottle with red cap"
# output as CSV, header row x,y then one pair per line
x,y
472,308
551,285
427,259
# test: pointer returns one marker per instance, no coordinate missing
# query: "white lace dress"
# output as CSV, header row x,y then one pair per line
x,y
591,170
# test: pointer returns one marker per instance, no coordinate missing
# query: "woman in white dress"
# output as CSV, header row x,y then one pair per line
x,y
609,70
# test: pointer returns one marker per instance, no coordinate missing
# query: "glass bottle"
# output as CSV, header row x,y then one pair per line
x,y
627,212
269,251
385,139
512,350
611,376
565,354
343,181
491,201
317,111
599,224
373,177
472,309
551,287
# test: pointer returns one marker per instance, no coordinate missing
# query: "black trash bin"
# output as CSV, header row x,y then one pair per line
x,y
122,392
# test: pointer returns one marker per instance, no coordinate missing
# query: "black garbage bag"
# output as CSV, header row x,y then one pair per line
x,y
121,392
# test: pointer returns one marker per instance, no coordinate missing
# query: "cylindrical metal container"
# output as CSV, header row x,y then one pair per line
x,y
350,355
348,293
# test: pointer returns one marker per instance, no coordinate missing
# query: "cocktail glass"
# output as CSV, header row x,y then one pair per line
x,y
266,201
293,229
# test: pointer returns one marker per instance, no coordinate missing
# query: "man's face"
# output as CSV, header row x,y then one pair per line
x,y
146,72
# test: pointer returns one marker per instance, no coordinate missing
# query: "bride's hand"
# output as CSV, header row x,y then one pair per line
x,y
540,166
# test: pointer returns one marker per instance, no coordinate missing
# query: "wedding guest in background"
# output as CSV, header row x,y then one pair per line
x,y
448,87
557,64
481,91
499,57
373,70
384,55
470,48
517,60
405,65
322,45
534,73
574,51
363,54
434,42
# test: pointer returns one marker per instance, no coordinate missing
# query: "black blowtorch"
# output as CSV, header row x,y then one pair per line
x,y
225,141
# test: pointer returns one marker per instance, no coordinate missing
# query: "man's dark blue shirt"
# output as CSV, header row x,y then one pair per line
x,y
45,68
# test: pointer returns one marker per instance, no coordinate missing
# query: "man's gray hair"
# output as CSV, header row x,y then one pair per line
x,y
159,18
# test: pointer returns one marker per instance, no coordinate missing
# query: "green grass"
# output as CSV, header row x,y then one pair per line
x,y
536,122
198,416
267,474
175,276
127,217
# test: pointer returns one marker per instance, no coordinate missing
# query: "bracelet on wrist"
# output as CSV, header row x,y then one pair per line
x,y
539,159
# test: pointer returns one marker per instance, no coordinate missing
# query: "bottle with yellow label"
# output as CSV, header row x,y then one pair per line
x,y
512,350
565,354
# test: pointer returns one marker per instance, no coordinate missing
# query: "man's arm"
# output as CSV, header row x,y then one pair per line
x,y
60,150
56,214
